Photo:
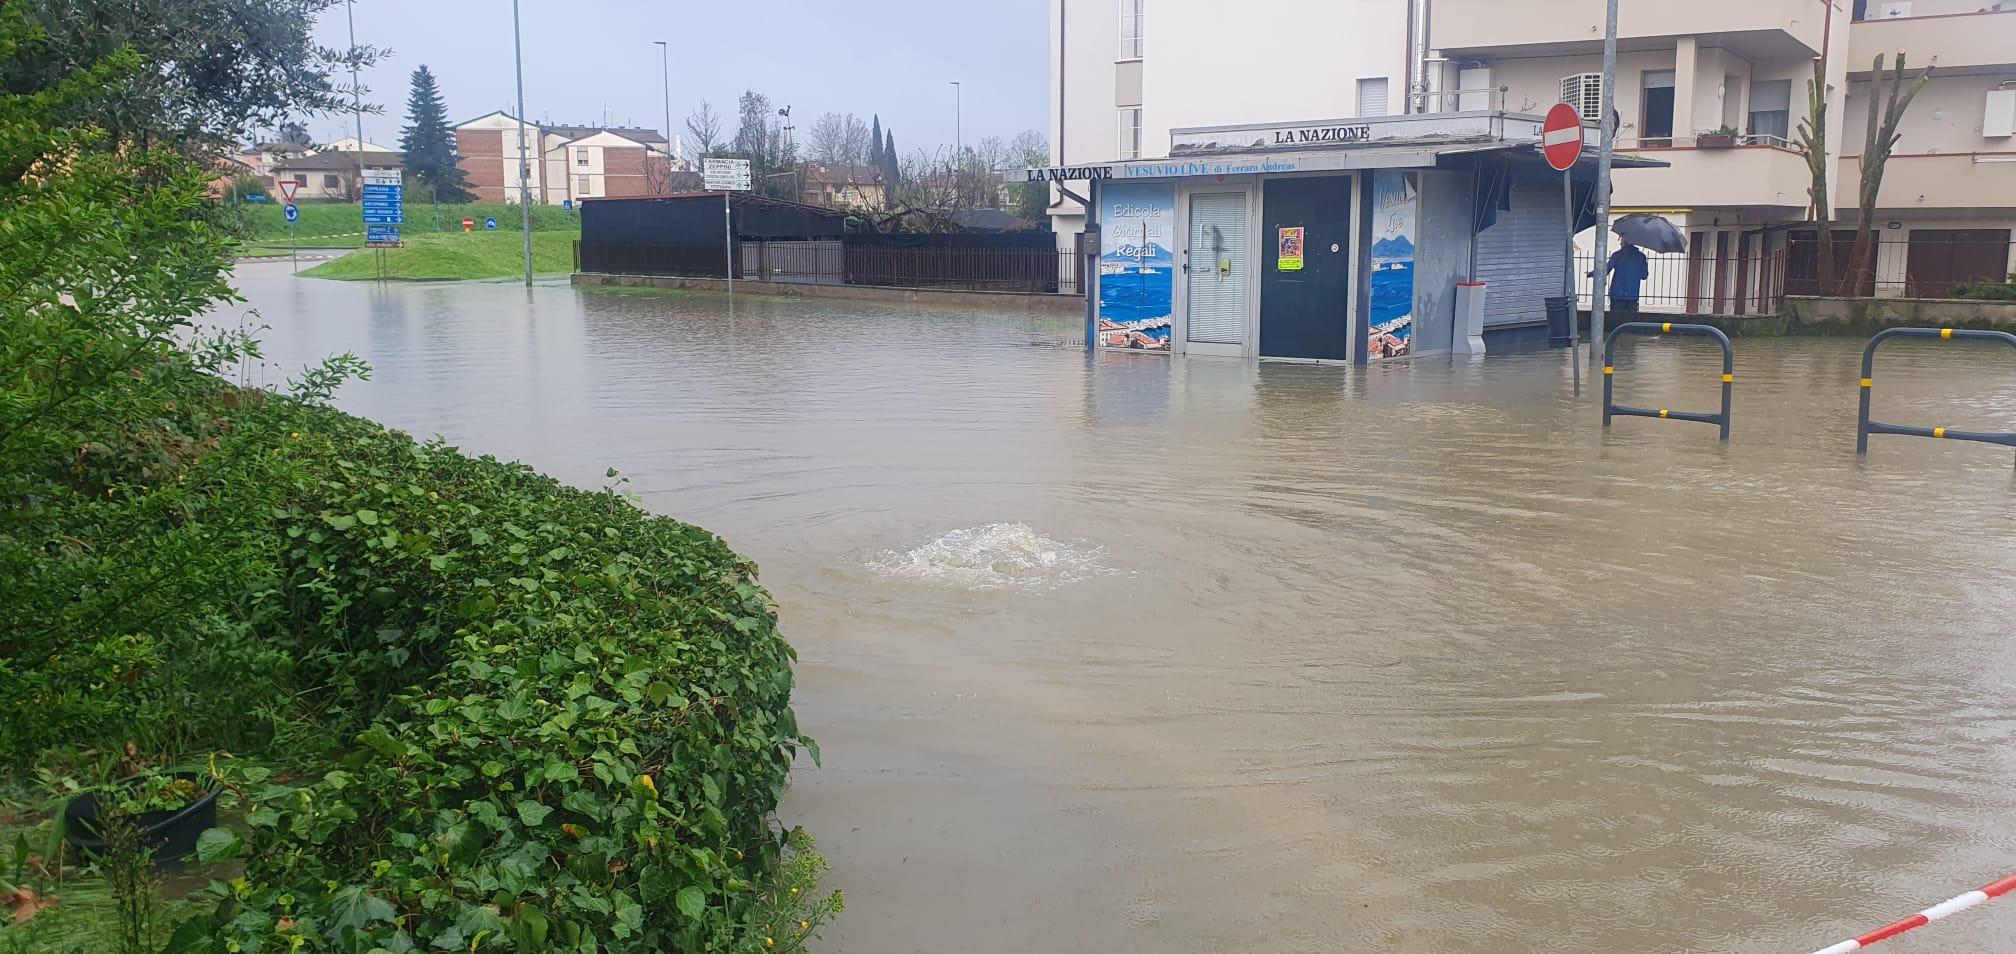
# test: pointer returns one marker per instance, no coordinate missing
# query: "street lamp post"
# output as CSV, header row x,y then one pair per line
x,y
524,169
958,122
665,50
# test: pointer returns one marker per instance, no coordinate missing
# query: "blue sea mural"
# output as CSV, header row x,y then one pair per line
x,y
1137,267
1394,196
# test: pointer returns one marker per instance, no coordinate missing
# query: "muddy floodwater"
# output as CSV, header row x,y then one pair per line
x,y
1125,653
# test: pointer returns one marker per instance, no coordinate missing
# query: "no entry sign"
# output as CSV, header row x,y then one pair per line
x,y
1561,137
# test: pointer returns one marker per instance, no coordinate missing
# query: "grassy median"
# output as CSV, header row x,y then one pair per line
x,y
455,257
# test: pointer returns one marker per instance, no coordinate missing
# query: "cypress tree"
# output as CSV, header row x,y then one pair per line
x,y
892,170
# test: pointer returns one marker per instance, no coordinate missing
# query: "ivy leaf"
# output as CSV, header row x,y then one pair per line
x,y
691,901
353,907
368,518
218,844
532,813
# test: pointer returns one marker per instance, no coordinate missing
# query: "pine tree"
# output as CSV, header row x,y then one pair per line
x,y
430,144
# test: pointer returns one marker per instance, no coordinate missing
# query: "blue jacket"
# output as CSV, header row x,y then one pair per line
x,y
1628,270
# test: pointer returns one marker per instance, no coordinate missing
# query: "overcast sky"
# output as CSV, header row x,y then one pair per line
x,y
585,57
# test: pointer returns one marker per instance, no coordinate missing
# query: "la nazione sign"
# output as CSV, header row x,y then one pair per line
x,y
1301,147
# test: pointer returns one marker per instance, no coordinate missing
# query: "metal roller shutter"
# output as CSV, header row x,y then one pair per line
x,y
1520,256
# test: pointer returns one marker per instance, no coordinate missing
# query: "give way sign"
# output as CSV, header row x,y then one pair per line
x,y
287,187
1561,137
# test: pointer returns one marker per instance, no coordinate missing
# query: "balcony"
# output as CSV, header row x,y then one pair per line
x,y
1765,174
1963,41
1754,28
1945,181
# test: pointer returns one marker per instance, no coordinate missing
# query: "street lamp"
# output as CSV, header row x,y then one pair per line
x,y
524,169
958,123
666,52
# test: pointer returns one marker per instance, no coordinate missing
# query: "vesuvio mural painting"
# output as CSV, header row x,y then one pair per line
x,y
1394,197
1137,266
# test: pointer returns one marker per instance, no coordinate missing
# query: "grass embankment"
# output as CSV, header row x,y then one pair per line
x,y
457,257
341,224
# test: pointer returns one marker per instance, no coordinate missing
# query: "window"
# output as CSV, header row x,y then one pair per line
x,y
1771,108
1372,97
332,182
1655,120
1584,91
1130,132
583,185
581,156
1130,29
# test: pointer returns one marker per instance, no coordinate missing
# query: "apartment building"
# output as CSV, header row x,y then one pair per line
x,y
1712,91
564,163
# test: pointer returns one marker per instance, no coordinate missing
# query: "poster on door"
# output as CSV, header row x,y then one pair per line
x,y
1394,200
1137,266
1289,248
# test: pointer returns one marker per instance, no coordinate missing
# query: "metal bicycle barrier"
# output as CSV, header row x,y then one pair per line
x,y
1865,427
1611,407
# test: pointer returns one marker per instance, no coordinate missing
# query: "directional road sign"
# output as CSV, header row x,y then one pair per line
x,y
725,175
381,236
490,224
384,197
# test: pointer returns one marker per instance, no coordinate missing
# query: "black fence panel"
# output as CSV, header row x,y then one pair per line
x,y
684,259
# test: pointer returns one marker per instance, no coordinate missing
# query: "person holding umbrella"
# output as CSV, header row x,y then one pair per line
x,y
1628,267
1628,271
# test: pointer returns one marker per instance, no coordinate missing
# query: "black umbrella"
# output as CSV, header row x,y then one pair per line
x,y
1650,232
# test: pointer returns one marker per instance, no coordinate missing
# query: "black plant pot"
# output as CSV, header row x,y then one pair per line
x,y
171,834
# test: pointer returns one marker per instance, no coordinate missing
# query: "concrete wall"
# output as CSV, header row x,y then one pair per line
x,y
1944,118
1938,26
1062,305
1443,257
1473,24
1867,315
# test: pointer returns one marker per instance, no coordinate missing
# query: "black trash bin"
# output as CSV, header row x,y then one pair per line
x,y
1560,315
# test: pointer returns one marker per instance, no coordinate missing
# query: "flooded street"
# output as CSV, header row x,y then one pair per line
x,y
1130,653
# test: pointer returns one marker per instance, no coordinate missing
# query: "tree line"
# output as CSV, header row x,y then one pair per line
x,y
969,177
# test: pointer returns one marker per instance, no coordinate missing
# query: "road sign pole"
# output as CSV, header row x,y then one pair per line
x,y
1568,279
728,245
1599,289
294,236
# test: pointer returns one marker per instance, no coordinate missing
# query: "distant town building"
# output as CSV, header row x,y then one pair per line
x,y
843,185
349,144
330,175
565,162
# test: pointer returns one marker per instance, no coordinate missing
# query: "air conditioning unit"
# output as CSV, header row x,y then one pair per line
x,y
1894,9
1584,91
1998,119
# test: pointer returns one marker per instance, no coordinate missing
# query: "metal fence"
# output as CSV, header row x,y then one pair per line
x,y
1675,284
1754,274
1045,271
686,260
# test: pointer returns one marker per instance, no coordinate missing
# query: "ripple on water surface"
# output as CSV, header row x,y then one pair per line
x,y
998,556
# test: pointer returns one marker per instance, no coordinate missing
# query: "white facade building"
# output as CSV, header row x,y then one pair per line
x,y
1714,90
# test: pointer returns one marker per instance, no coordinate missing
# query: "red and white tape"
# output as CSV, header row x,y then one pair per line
x,y
1927,916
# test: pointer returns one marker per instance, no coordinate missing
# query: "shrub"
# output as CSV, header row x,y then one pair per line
x,y
1987,291
575,716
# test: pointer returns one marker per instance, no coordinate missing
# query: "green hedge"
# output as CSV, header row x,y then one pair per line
x,y
581,720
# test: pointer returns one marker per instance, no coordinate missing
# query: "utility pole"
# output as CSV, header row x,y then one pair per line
x,y
356,89
1599,289
666,63
958,123
524,170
